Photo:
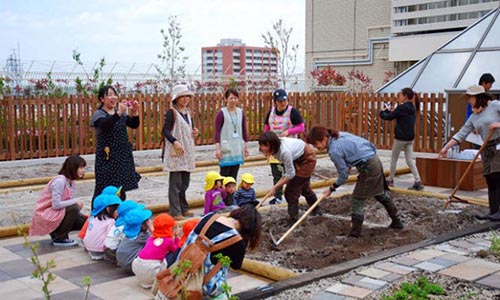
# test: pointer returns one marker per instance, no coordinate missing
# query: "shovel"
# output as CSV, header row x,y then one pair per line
x,y
276,243
261,202
452,197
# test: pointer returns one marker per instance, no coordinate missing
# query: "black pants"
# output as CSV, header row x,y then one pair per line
x,y
72,221
296,187
277,171
493,182
230,171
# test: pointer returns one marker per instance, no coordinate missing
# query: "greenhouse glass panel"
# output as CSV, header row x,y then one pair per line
x,y
441,72
405,80
493,37
469,39
483,62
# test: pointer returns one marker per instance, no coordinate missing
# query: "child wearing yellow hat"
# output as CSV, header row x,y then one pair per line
x,y
245,193
213,193
229,186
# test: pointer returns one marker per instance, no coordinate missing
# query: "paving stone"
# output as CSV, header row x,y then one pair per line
x,y
455,257
451,249
374,273
428,266
462,244
481,241
327,296
425,254
396,268
406,261
444,262
391,277
349,290
492,281
365,282
472,270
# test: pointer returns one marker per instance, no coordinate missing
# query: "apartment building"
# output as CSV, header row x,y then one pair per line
x,y
231,58
376,36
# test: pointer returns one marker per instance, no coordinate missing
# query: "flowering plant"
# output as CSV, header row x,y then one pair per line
x,y
328,76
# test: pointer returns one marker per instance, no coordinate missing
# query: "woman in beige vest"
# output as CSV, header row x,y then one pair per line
x,y
179,132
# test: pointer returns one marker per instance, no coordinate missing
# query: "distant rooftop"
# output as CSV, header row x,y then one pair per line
x,y
231,42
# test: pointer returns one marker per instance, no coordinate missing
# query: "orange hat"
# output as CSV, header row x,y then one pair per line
x,y
163,226
187,227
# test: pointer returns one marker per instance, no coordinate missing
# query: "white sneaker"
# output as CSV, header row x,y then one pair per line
x,y
64,243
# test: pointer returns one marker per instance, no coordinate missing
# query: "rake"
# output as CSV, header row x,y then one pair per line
x,y
277,242
452,197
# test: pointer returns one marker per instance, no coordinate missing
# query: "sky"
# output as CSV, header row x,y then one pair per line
x,y
128,31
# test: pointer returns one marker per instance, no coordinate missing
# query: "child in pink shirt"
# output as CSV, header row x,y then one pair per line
x,y
102,220
162,242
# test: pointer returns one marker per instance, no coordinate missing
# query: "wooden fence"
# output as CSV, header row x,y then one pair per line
x,y
49,127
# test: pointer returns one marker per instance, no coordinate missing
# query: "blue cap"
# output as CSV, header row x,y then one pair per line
x,y
106,198
279,95
134,220
124,208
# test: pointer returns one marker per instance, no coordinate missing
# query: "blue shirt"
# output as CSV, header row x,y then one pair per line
x,y
348,151
242,196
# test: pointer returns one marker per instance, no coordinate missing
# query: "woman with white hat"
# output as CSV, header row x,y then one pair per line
x,y
179,132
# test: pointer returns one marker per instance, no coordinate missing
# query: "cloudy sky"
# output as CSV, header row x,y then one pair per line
x,y
128,31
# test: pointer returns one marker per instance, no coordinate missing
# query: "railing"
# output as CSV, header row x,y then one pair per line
x,y
49,127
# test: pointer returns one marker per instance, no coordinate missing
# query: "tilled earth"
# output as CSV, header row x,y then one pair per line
x,y
321,241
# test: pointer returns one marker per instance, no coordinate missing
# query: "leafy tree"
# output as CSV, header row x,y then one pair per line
x,y
171,55
93,83
279,42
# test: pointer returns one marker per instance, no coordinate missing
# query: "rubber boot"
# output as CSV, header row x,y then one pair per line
x,y
357,225
293,214
392,211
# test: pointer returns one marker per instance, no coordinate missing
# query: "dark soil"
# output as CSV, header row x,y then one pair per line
x,y
321,241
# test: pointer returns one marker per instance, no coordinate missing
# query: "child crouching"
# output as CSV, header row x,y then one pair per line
x,y
115,234
213,193
163,241
102,220
245,193
137,230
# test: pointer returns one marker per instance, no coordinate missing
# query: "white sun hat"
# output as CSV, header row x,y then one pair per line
x,y
181,90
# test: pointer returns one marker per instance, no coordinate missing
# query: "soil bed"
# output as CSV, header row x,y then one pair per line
x,y
321,241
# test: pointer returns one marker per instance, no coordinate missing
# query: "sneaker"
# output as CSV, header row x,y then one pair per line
x,y
64,243
96,255
418,186
389,182
275,201
188,213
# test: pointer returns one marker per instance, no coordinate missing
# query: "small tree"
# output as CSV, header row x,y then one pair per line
x,y
93,83
279,42
359,82
171,55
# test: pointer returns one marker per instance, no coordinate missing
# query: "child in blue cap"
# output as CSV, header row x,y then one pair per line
x,y
102,220
137,229
115,234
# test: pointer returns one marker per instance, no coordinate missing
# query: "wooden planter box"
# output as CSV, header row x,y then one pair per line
x,y
445,172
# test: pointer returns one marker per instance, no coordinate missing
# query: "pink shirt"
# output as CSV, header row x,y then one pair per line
x,y
158,248
96,234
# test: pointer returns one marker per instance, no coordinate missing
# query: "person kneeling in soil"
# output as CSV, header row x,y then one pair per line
x,y
299,160
347,150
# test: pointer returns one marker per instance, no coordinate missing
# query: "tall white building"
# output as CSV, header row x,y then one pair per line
x,y
376,36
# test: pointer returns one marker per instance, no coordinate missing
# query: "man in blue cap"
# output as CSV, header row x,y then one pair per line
x,y
285,121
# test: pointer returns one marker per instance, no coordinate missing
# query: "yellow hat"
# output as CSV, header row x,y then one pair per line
x,y
227,180
248,178
210,180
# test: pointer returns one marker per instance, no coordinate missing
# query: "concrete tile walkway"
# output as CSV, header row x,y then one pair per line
x,y
439,259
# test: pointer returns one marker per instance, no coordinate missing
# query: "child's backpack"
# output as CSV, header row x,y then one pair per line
x,y
186,277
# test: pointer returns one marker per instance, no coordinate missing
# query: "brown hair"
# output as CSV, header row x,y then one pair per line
x,y
250,224
318,132
230,92
270,139
71,165
482,100
411,95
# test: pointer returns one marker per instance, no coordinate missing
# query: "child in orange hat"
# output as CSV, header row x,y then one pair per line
x,y
187,227
164,240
